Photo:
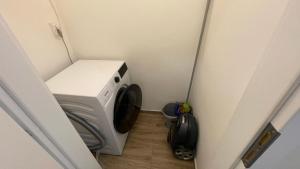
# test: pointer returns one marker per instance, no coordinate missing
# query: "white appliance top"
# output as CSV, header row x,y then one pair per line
x,y
84,77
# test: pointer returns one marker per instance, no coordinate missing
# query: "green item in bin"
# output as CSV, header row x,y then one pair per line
x,y
185,107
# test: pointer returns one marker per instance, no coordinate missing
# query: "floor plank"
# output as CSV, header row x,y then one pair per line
x,y
146,147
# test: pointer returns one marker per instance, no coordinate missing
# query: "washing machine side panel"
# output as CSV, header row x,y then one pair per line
x,y
91,110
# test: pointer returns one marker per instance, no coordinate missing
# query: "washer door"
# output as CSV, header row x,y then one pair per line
x,y
127,107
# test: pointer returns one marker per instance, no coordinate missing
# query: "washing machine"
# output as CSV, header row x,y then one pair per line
x,y
100,94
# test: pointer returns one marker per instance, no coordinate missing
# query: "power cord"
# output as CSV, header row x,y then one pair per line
x,y
60,33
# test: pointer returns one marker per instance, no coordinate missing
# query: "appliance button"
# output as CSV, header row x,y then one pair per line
x,y
117,79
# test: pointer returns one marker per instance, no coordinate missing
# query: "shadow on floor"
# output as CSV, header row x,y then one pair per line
x,y
146,147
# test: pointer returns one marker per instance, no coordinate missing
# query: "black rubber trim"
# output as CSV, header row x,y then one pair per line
x,y
127,107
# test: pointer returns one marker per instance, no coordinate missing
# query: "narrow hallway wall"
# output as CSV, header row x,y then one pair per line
x,y
237,35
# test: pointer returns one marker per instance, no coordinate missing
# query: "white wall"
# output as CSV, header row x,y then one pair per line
x,y
158,40
29,21
238,33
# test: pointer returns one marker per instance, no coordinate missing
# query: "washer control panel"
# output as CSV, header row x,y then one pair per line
x,y
109,89
105,95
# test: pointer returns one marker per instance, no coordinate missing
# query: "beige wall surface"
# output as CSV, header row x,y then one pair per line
x,y
237,35
29,20
158,40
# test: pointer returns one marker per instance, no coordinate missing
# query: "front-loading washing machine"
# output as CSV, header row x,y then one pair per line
x,y
99,93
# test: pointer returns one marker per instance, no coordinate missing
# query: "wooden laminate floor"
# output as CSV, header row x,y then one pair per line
x,y
146,147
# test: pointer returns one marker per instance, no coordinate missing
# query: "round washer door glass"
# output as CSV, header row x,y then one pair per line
x,y
127,107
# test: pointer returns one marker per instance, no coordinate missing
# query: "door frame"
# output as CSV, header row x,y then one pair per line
x,y
29,126
286,113
18,157
23,85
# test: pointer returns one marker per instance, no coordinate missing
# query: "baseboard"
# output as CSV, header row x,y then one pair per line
x,y
152,111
